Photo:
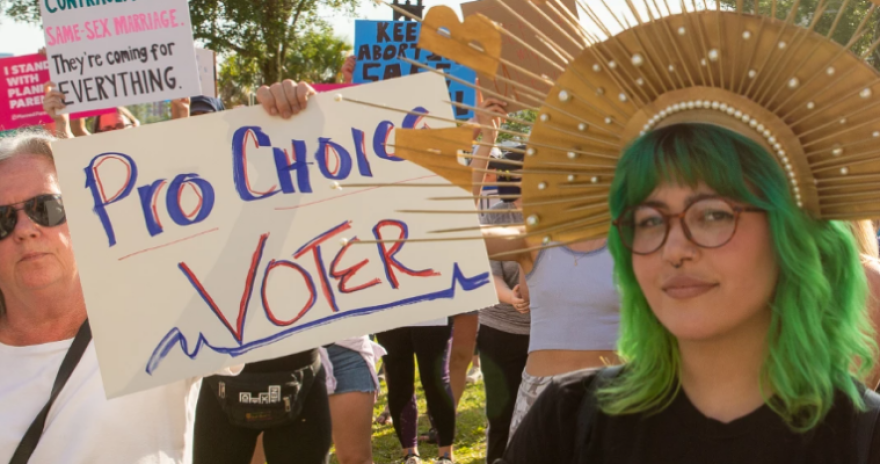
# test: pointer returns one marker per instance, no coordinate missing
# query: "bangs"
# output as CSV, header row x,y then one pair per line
x,y
689,154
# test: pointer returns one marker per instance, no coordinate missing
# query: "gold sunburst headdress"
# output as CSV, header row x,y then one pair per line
x,y
810,101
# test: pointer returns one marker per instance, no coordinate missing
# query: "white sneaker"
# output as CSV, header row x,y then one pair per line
x,y
413,459
475,375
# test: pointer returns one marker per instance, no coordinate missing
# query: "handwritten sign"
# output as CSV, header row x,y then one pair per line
x,y
103,54
21,92
549,23
378,44
229,247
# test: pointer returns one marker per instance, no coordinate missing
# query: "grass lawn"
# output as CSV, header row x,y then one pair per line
x,y
470,430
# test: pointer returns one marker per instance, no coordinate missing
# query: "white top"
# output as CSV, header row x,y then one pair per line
x,y
149,427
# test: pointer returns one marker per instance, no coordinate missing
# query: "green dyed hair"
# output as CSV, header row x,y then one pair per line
x,y
820,335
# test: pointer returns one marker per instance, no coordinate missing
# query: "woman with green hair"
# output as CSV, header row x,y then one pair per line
x,y
743,322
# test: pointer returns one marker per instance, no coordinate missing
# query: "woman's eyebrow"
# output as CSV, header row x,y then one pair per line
x,y
691,199
695,197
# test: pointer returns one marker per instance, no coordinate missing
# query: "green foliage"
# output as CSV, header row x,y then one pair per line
x,y
846,28
526,115
317,60
265,33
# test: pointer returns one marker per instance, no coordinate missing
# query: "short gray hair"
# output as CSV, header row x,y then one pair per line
x,y
29,142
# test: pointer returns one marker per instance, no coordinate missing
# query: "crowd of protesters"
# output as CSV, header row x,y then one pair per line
x,y
558,321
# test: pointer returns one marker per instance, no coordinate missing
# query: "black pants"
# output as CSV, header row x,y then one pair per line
x,y
431,346
502,358
306,441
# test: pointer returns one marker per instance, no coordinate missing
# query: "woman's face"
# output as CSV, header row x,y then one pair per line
x,y
32,257
702,294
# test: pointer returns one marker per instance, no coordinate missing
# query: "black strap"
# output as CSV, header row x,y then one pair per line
x,y
866,424
590,407
29,442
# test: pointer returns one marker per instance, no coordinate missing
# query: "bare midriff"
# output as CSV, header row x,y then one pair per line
x,y
544,363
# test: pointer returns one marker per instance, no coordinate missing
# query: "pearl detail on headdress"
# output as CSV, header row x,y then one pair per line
x,y
564,96
532,220
637,60
542,186
738,114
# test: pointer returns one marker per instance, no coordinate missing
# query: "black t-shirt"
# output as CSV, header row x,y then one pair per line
x,y
680,434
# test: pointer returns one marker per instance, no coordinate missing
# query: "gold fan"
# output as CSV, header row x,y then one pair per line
x,y
811,102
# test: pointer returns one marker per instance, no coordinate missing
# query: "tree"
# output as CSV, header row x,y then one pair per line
x,y
849,22
264,32
317,60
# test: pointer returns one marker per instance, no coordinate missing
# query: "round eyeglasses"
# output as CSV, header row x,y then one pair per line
x,y
708,223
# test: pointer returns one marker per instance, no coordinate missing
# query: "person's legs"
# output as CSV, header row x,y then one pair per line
x,y
351,405
504,358
308,439
432,349
215,440
352,413
259,455
400,380
464,339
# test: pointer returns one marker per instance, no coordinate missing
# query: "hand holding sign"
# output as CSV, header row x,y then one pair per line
x,y
286,98
491,112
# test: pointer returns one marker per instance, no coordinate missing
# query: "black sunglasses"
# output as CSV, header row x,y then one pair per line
x,y
44,210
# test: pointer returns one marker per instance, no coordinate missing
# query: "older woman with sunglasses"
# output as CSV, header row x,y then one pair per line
x,y
41,310
52,401
742,321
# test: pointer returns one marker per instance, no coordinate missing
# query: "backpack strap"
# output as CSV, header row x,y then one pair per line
x,y
590,407
866,424
28,443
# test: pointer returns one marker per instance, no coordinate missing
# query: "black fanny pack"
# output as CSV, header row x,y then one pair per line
x,y
261,400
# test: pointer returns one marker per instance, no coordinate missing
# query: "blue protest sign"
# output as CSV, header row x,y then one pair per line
x,y
378,45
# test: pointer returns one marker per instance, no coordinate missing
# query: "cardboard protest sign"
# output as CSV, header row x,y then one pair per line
x,y
207,63
21,92
522,56
321,88
104,54
228,248
378,44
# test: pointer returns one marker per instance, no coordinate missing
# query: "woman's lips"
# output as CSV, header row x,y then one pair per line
x,y
684,287
32,256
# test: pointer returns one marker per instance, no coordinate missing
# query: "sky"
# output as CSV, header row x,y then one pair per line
x,y
24,39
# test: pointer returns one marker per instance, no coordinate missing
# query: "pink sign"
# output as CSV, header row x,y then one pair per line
x,y
21,92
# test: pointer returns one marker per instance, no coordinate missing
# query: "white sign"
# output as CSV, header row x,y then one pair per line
x,y
207,72
212,241
105,54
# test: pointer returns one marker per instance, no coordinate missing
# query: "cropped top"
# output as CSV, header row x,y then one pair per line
x,y
574,301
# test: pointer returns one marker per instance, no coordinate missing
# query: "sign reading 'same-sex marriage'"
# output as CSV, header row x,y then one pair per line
x,y
224,239
104,54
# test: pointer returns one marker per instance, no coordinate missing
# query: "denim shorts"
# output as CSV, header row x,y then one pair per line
x,y
351,371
